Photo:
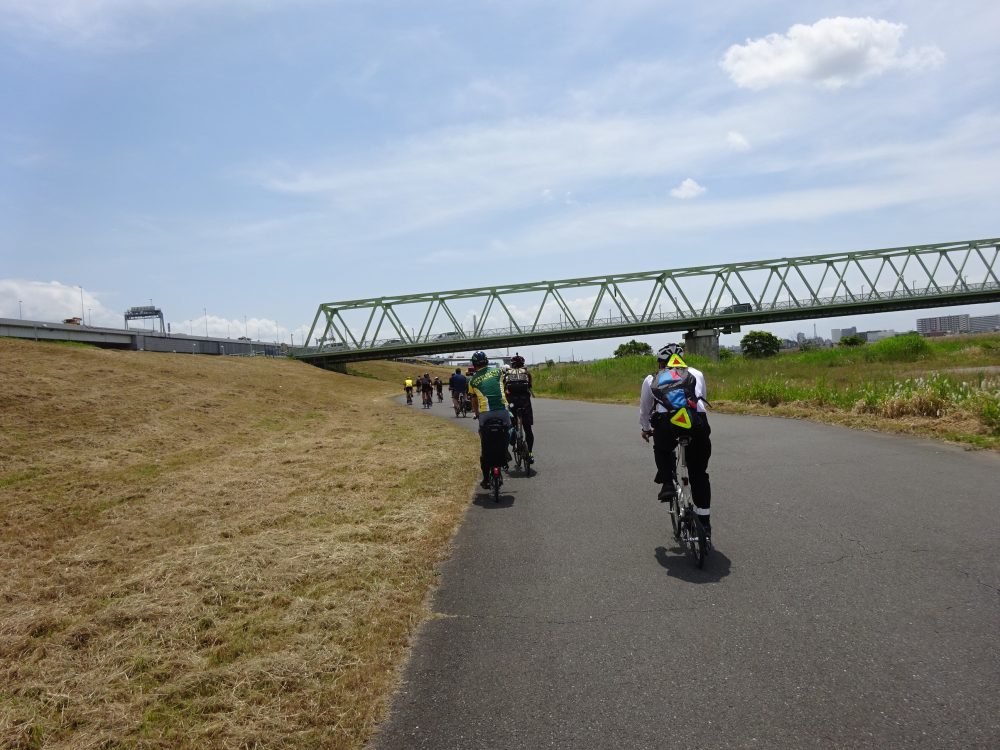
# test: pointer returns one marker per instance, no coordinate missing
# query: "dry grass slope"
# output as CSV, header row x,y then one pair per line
x,y
210,552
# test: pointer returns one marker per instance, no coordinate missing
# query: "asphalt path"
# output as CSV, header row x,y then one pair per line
x,y
852,599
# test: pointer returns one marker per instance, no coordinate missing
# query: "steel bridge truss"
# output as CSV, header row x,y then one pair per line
x,y
636,303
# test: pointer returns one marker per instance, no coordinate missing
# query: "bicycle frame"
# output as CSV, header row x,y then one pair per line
x,y
687,527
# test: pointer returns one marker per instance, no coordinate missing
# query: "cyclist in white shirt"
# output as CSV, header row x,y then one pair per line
x,y
656,409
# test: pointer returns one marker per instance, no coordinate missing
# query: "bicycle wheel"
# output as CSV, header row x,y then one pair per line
x,y
699,543
496,485
524,454
675,513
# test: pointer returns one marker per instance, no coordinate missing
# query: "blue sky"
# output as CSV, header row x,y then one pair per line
x,y
255,158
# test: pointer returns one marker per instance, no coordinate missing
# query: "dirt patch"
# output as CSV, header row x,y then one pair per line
x,y
208,551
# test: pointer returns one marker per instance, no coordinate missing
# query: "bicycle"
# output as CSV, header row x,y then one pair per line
x,y
409,397
463,406
522,459
428,399
687,526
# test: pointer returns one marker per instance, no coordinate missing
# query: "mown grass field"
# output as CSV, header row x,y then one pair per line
x,y
211,552
947,388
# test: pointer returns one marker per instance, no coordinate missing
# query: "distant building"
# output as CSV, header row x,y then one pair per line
x,y
958,324
944,324
838,333
984,324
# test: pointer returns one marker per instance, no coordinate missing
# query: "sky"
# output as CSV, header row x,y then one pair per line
x,y
238,162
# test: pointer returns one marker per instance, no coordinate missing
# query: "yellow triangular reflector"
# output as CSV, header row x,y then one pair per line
x,y
676,361
682,419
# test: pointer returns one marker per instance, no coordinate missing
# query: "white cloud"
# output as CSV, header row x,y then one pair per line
x,y
449,175
53,301
687,189
832,53
737,141
920,173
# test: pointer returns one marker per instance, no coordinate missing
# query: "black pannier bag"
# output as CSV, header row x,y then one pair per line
x,y
494,442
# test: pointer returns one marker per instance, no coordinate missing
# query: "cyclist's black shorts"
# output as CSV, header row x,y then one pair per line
x,y
523,411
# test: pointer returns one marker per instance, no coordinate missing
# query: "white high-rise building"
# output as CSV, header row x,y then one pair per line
x,y
944,324
984,324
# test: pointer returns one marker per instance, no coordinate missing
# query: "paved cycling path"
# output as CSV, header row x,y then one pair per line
x,y
851,601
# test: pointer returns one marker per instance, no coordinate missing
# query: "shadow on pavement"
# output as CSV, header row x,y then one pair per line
x,y
680,565
485,500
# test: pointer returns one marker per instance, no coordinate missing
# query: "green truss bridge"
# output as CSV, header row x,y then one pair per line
x,y
708,299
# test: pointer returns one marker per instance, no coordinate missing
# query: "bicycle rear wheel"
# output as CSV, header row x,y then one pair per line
x,y
675,514
699,541
496,485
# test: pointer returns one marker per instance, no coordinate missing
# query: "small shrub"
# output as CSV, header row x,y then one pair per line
x,y
851,341
908,348
725,355
768,392
987,407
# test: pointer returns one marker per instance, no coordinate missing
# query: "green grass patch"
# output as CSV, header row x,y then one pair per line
x,y
946,380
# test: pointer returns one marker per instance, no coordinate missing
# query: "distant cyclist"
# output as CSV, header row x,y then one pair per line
x,y
438,386
490,403
664,394
517,386
427,389
458,384
408,387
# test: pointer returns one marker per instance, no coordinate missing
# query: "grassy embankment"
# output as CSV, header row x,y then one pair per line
x,y
211,552
945,388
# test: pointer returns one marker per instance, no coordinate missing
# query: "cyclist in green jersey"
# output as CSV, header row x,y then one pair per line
x,y
486,387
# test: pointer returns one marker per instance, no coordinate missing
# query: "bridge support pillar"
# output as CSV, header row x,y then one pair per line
x,y
704,342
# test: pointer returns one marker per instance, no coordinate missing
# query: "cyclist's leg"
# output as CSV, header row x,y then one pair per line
x,y
664,444
482,459
699,451
528,420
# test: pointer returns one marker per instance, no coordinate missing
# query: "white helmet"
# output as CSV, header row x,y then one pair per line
x,y
670,350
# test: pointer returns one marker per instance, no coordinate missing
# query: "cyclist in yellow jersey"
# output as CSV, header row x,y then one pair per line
x,y
486,387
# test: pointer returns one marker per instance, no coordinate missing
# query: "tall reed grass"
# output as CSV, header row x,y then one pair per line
x,y
894,378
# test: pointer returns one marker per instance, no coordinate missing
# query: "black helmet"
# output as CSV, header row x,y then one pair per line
x,y
517,361
479,359
670,350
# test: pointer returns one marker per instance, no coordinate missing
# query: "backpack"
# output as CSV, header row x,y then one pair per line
x,y
673,388
516,381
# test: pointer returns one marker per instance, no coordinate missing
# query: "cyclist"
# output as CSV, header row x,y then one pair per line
x,y
427,389
490,403
458,384
408,387
517,387
438,386
655,410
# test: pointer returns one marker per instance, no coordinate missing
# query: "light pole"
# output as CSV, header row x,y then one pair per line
x,y
81,302
90,316
20,310
205,310
245,335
